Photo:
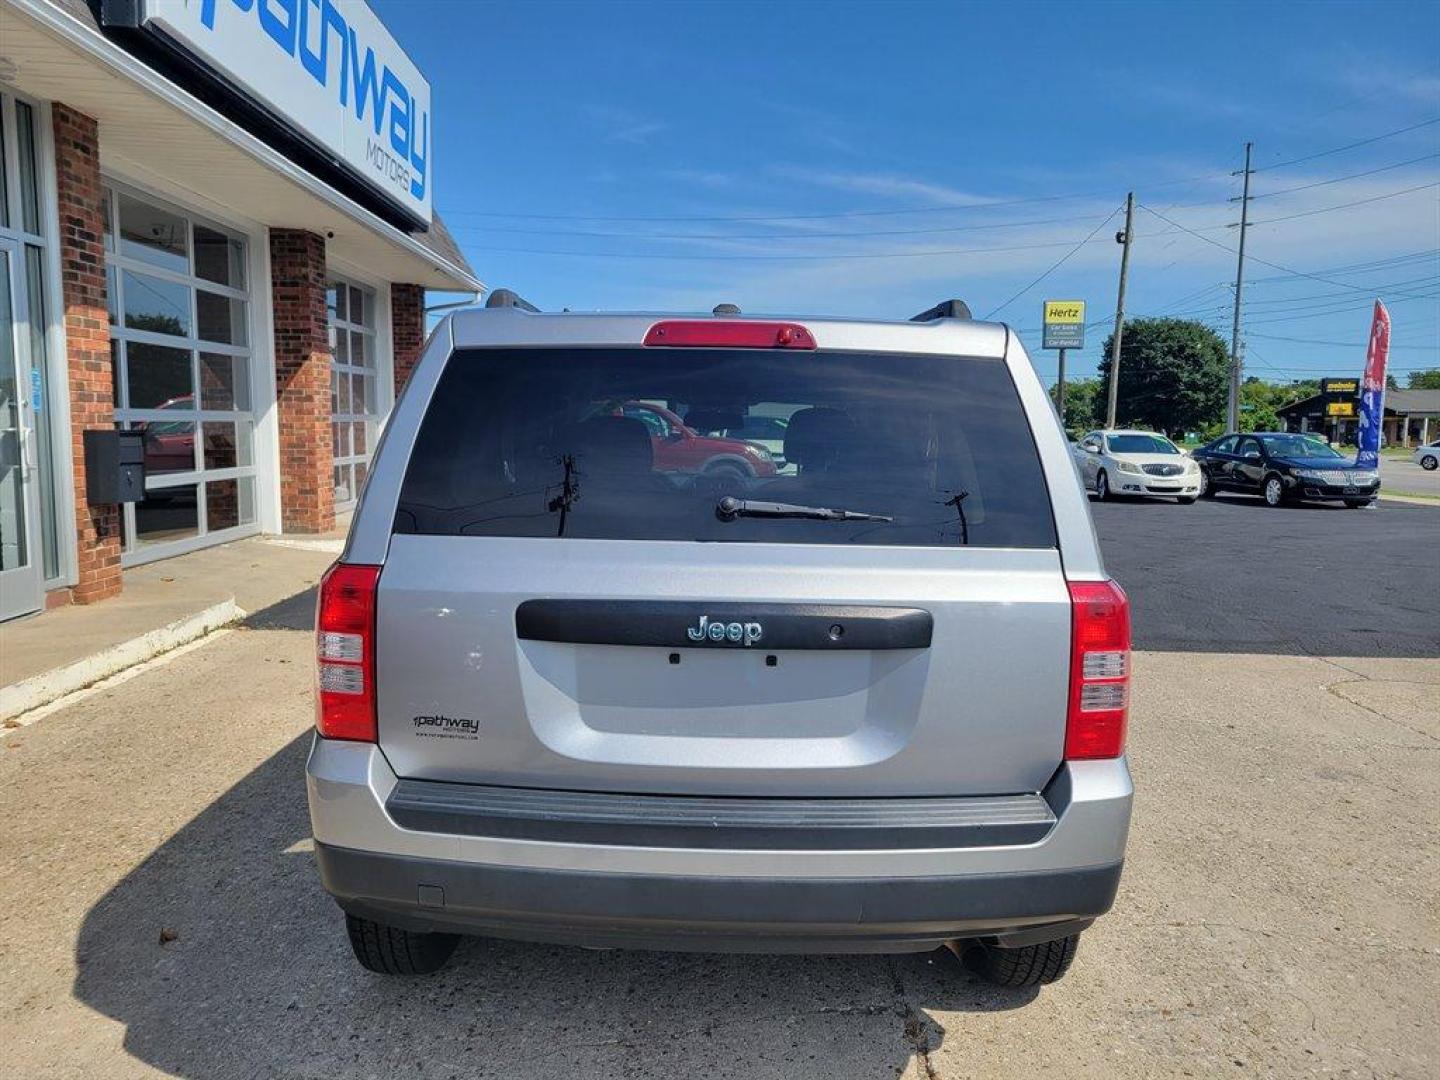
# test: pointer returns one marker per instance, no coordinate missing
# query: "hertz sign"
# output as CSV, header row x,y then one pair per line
x,y
1064,324
327,68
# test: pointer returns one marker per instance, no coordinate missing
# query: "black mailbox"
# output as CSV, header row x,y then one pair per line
x,y
114,466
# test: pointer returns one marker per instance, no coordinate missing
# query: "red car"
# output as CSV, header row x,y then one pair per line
x,y
678,448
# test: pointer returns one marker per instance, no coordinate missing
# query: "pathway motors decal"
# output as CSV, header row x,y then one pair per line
x,y
329,68
1372,390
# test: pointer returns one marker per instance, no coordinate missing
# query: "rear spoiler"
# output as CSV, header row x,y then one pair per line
x,y
508,298
946,309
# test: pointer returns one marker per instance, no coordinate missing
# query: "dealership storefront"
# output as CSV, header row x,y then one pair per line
x,y
215,233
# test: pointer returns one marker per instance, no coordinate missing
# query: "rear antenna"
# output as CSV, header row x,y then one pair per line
x,y
508,298
946,309
726,309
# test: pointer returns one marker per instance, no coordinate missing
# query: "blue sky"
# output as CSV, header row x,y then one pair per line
x,y
672,156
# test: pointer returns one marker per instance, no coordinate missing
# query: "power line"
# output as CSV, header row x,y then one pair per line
x,y
1342,179
1056,266
1346,206
775,236
1348,146
1346,344
1255,258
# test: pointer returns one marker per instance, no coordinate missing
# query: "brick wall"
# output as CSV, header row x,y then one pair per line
x,y
407,320
87,340
302,380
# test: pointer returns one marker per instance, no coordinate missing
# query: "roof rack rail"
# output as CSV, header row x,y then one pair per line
x,y
508,298
946,309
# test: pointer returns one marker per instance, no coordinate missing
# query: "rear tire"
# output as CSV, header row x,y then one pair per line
x,y
1273,491
1031,965
388,950
1429,463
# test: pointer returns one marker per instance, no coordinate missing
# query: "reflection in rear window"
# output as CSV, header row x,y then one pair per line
x,y
642,444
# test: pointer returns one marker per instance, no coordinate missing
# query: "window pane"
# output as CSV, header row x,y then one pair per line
x,y
938,447
342,484
357,305
167,514
341,347
229,503
151,303
169,446
340,293
159,376
334,393
154,235
359,354
219,258
106,205
224,381
220,318
358,438
25,136
359,478
227,444
342,407
357,394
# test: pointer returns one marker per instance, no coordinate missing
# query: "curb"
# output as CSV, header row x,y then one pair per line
x,y
48,686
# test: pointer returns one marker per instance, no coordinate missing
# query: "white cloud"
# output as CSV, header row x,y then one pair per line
x,y
621,125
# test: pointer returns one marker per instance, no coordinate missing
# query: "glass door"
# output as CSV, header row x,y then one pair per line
x,y
20,591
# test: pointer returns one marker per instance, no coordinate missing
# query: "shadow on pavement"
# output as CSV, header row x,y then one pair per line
x,y
293,613
258,981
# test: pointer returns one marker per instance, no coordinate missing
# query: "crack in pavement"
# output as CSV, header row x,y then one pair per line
x,y
916,1027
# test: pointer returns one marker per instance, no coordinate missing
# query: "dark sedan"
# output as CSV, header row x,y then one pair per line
x,y
1281,467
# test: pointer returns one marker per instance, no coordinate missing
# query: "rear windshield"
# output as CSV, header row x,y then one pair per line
x,y
643,444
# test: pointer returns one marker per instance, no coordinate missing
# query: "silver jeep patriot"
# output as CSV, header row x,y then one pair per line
x,y
722,633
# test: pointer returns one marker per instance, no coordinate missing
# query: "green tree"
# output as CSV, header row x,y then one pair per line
x,y
1173,375
1080,398
1425,380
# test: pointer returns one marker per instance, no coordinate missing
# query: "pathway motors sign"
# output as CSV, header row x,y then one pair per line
x,y
1064,324
329,69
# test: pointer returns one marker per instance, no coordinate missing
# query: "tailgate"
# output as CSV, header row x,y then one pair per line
x,y
585,665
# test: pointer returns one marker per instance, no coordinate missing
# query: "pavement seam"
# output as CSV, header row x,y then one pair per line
x,y
915,1024
1333,689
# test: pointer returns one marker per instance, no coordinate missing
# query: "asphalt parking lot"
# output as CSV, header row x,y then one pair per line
x,y
1404,475
1278,916
1231,574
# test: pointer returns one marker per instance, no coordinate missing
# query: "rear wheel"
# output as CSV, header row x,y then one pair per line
x,y
389,950
1274,491
1429,463
1102,486
1030,965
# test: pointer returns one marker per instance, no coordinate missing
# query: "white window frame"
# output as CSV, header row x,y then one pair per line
x,y
338,271
257,352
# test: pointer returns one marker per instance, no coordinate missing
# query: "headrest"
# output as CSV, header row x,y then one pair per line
x,y
611,445
814,438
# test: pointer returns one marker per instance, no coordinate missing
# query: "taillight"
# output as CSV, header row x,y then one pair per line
x,y
1099,670
700,333
345,652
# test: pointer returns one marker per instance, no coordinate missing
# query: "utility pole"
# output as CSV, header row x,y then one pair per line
x,y
1120,238
1233,412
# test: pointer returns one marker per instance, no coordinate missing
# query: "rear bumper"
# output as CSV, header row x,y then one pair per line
x,y
808,897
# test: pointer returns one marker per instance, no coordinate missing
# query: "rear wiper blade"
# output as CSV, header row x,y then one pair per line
x,y
729,508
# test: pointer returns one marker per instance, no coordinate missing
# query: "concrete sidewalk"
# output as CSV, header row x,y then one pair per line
x,y
164,605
